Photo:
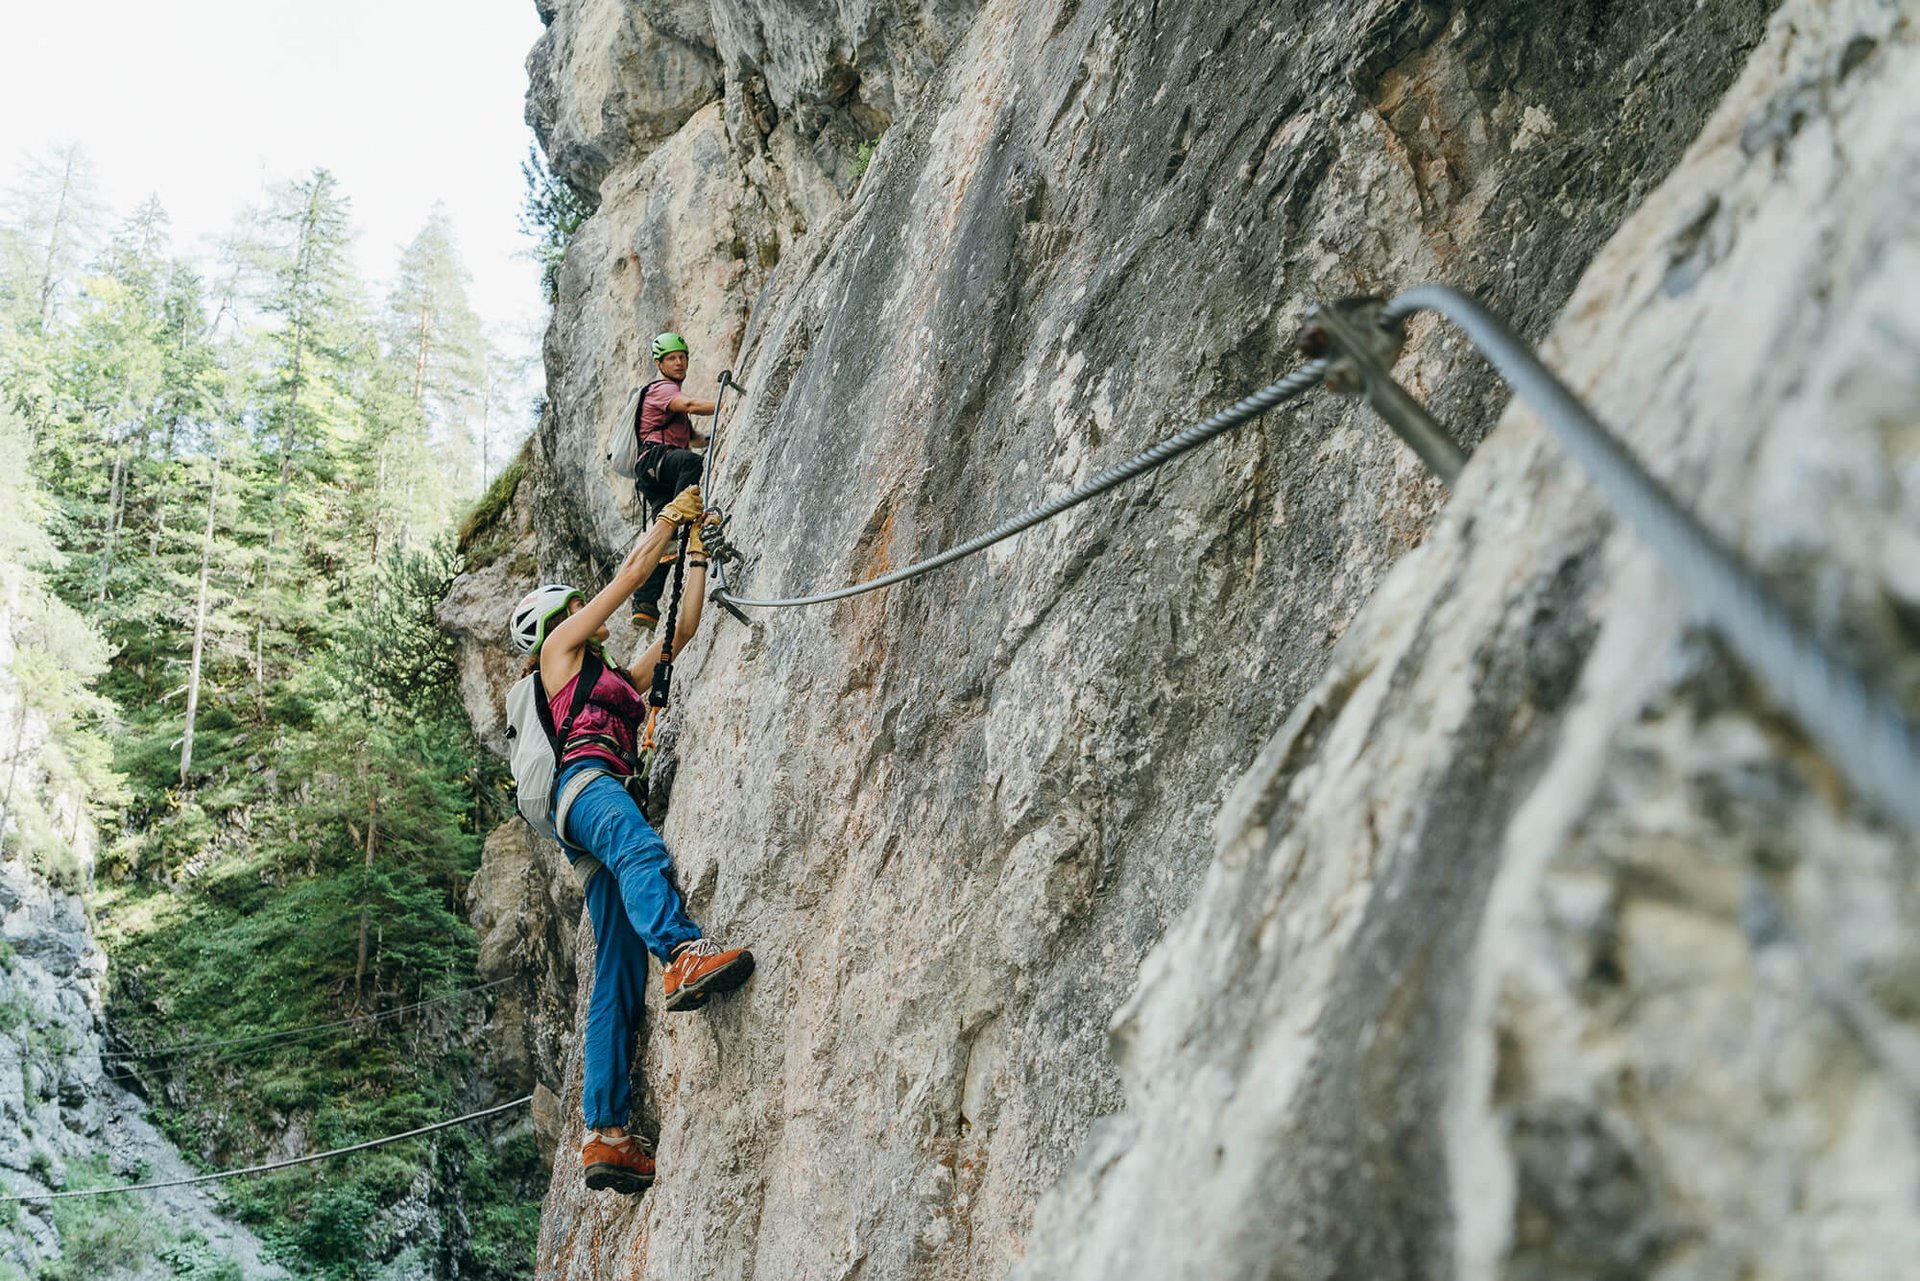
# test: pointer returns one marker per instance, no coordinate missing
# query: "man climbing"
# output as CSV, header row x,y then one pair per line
x,y
667,464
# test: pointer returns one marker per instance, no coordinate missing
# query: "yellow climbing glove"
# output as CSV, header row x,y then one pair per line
x,y
684,509
696,545
711,540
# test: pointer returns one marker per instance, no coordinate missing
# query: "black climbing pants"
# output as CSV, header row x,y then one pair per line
x,y
664,472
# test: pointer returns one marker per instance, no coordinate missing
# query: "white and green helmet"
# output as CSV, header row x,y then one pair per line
x,y
668,342
528,625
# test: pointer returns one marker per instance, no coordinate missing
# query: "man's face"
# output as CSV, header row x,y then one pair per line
x,y
674,365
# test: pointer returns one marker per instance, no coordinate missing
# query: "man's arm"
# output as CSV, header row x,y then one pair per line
x,y
688,405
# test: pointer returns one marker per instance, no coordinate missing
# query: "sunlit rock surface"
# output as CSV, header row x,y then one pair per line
x,y
1515,936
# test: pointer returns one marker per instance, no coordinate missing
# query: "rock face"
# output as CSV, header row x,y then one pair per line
x,y
62,1113
1570,958
1514,937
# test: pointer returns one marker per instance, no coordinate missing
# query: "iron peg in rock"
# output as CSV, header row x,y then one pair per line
x,y
1350,330
1361,348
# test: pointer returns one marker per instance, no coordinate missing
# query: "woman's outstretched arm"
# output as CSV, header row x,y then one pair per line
x,y
560,654
693,595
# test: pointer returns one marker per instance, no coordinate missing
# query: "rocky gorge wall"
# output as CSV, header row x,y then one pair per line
x,y
1276,869
65,1120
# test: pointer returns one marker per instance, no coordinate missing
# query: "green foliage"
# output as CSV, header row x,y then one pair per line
x,y
193,1256
54,741
550,214
223,556
98,1235
480,538
116,1235
49,220
862,157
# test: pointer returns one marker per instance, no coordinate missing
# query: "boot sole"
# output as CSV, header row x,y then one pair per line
x,y
697,993
617,1178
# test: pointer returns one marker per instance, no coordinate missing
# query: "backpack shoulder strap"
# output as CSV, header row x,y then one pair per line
x,y
543,712
590,668
640,411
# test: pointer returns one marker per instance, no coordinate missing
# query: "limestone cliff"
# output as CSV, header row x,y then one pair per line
x,y
66,1121
1512,937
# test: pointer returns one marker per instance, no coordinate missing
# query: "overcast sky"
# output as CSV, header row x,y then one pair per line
x,y
208,102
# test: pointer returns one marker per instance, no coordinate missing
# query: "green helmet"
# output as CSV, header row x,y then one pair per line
x,y
667,342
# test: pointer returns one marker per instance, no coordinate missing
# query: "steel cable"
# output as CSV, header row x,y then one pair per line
x,y
309,1159
1862,729
1294,384
194,1047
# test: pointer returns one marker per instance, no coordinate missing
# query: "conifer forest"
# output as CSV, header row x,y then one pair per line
x,y
233,476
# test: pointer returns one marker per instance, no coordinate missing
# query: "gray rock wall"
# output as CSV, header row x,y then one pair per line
x,y
62,1111
955,819
1567,956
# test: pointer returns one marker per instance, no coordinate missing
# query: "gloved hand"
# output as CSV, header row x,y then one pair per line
x,y
697,546
713,538
684,509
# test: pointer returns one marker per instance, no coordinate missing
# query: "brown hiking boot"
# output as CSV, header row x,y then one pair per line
x,y
703,969
618,1165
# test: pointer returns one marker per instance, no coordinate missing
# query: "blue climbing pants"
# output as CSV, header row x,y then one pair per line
x,y
635,909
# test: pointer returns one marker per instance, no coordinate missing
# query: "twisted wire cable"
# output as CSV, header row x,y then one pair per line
x,y
282,1034
308,1159
1294,384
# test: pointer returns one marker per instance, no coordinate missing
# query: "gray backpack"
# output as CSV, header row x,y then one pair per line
x,y
533,743
623,452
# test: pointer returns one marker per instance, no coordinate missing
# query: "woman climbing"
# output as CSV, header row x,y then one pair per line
x,y
621,862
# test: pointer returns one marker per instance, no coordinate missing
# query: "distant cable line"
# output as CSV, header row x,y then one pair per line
x,y
191,1047
272,1165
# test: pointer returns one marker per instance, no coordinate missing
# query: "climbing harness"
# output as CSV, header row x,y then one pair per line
x,y
309,1159
1352,345
719,553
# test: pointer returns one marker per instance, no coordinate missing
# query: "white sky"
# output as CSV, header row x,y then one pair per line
x,y
206,103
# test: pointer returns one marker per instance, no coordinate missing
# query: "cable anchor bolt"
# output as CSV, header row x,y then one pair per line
x,y
1361,348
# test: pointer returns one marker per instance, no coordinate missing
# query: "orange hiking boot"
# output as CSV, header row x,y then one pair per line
x,y
702,969
619,1165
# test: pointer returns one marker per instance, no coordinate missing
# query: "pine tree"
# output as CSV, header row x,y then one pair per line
x,y
311,419
435,339
52,215
232,652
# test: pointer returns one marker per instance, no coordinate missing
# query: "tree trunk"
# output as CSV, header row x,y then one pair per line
x,y
116,502
13,759
360,966
53,239
297,320
380,494
199,631
420,356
